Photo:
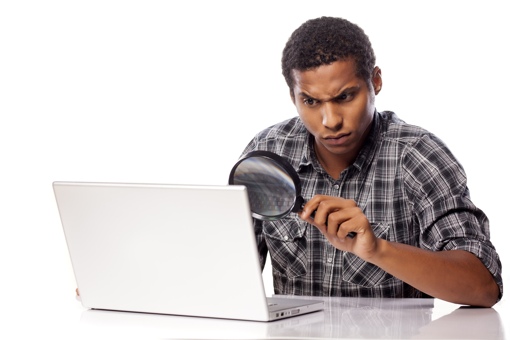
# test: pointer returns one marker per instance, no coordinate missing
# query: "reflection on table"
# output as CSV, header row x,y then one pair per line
x,y
341,318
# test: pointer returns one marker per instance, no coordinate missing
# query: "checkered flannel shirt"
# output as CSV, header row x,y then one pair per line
x,y
409,186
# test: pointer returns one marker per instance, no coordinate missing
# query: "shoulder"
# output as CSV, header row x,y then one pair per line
x,y
427,163
416,149
290,128
288,133
397,130
404,137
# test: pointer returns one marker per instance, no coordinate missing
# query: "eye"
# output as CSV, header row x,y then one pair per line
x,y
346,96
309,101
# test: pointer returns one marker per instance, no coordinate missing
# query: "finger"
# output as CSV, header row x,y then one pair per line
x,y
311,206
324,206
352,226
340,222
306,211
309,219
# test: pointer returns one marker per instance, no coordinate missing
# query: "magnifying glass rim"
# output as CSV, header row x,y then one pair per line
x,y
283,163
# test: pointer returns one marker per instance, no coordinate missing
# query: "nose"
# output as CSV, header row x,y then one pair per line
x,y
331,116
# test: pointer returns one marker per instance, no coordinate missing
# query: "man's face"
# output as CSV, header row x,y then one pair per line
x,y
336,107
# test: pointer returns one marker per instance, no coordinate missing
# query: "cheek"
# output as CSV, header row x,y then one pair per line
x,y
366,118
358,115
365,107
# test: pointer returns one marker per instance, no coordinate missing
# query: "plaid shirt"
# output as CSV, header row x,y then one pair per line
x,y
409,186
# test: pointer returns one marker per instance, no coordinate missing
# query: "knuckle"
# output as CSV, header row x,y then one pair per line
x,y
352,203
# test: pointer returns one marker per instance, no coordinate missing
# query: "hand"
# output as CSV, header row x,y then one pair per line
x,y
78,297
336,217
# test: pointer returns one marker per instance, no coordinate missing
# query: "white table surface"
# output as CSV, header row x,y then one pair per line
x,y
353,318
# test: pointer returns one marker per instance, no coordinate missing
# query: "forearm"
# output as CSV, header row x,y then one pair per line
x,y
456,276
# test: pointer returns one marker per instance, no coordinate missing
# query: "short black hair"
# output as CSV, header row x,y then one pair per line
x,y
324,40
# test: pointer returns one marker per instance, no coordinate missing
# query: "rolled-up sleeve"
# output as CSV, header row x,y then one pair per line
x,y
448,219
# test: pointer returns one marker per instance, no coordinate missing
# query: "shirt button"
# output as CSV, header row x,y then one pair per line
x,y
330,260
336,186
286,238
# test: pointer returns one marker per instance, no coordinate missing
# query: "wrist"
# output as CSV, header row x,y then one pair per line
x,y
378,252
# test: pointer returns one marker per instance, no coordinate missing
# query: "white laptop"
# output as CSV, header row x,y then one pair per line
x,y
169,249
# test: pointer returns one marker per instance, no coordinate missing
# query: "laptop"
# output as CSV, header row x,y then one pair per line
x,y
185,250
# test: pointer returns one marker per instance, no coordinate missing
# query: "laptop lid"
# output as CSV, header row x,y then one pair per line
x,y
169,249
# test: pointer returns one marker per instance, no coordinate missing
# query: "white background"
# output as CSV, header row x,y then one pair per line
x,y
171,91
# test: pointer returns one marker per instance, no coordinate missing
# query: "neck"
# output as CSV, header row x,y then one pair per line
x,y
332,163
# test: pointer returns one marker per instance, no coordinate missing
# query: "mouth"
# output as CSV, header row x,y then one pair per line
x,y
336,140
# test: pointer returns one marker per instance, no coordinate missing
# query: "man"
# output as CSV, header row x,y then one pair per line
x,y
396,186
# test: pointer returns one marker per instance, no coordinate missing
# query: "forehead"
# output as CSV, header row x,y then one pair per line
x,y
326,79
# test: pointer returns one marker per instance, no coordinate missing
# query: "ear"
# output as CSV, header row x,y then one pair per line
x,y
377,80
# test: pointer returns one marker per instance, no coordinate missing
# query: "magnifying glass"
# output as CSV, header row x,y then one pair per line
x,y
274,188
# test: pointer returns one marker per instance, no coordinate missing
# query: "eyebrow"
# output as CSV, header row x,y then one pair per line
x,y
351,88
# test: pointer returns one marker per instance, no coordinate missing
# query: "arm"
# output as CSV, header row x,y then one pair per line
x,y
456,276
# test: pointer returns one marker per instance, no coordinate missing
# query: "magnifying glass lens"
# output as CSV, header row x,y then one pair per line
x,y
271,189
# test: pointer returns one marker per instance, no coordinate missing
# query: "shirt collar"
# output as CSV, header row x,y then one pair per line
x,y
306,155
